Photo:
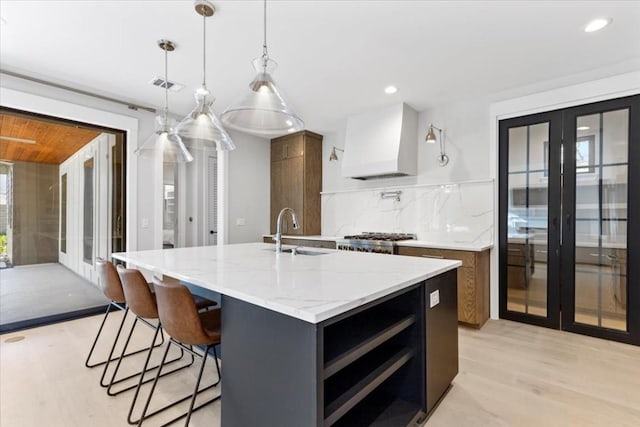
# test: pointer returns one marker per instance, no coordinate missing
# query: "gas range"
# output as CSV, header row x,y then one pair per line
x,y
384,243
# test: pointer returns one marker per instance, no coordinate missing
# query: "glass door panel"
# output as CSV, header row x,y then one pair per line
x,y
528,220
524,144
87,215
63,213
601,177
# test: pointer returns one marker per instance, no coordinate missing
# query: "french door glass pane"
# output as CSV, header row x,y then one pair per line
x,y
63,213
528,219
87,229
601,220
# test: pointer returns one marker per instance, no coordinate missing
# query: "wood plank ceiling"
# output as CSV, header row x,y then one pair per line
x,y
54,141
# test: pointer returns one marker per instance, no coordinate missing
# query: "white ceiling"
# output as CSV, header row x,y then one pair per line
x,y
335,57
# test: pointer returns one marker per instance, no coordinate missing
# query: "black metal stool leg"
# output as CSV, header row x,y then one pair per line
x,y
88,364
113,347
153,386
124,349
95,341
146,368
195,389
140,382
191,396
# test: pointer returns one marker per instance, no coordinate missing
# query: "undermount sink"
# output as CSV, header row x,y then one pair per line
x,y
300,251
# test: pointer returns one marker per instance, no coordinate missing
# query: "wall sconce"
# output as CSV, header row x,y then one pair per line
x,y
431,138
334,156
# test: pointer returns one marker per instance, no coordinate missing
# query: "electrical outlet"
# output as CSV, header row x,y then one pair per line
x,y
434,298
241,222
145,222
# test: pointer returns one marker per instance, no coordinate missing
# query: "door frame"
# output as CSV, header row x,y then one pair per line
x,y
537,99
561,298
632,336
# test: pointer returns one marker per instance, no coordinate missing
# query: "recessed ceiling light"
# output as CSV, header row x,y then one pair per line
x,y
596,24
583,128
390,90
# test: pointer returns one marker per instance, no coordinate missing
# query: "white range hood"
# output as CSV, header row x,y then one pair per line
x,y
381,143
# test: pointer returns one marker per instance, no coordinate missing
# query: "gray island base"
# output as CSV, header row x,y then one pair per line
x,y
387,363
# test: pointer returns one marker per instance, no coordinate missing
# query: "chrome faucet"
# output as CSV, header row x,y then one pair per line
x,y
294,220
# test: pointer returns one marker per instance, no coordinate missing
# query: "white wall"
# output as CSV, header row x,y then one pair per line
x,y
249,174
468,214
466,142
466,135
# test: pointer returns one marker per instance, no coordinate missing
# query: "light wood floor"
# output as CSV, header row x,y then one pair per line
x,y
510,375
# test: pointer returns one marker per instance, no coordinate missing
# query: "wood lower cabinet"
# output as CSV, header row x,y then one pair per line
x,y
473,281
296,180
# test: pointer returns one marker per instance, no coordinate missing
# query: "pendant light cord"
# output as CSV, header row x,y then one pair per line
x,y
265,54
166,84
204,50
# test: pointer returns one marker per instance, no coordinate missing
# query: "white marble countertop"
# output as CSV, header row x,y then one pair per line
x,y
316,237
456,246
310,288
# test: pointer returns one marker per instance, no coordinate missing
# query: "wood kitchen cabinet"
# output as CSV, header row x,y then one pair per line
x,y
296,180
473,281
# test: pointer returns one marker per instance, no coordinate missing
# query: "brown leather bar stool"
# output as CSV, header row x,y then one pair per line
x,y
142,302
109,283
187,328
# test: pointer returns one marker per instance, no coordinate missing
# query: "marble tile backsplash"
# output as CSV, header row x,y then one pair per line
x,y
460,213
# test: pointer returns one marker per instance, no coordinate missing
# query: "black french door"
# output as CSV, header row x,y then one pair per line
x,y
569,232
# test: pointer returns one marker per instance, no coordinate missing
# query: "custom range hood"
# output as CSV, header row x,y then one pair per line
x,y
381,144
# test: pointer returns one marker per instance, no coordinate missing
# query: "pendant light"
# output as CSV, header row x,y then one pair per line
x,y
165,138
262,111
201,128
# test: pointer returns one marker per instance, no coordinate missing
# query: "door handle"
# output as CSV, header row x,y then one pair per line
x,y
212,232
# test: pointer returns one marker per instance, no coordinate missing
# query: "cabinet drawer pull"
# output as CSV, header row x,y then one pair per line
x,y
432,256
514,250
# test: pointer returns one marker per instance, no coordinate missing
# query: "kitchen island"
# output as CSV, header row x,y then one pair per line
x,y
325,337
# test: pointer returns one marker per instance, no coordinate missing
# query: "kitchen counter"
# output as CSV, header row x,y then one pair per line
x,y
308,287
456,246
317,237
334,338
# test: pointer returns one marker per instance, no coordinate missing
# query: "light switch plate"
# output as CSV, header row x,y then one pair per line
x,y
434,298
240,221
